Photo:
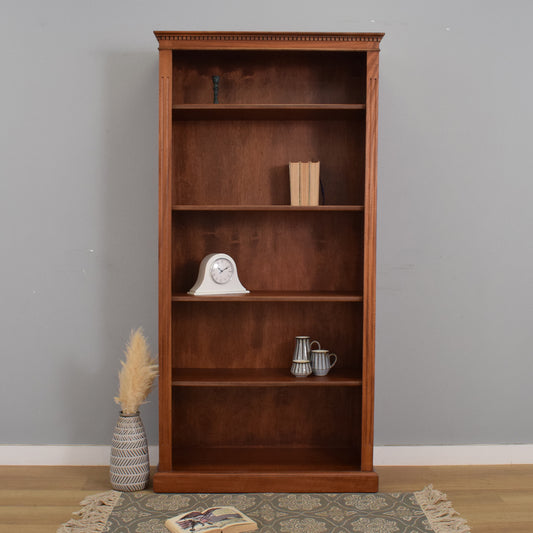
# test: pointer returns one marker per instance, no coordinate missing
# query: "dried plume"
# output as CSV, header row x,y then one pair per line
x,y
137,374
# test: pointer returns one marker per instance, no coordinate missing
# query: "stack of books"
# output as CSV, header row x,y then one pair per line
x,y
305,182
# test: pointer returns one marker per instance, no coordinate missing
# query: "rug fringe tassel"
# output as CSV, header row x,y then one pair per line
x,y
92,518
442,517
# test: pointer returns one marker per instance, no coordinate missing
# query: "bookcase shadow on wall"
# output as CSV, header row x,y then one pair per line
x,y
232,418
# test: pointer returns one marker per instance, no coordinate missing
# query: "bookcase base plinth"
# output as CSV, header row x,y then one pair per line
x,y
266,469
238,482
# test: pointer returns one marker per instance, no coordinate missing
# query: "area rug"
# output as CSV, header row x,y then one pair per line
x,y
146,512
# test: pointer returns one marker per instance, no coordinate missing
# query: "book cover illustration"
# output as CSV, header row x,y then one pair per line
x,y
215,519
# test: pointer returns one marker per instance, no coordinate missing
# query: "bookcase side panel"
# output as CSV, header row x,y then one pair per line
x,y
369,288
165,259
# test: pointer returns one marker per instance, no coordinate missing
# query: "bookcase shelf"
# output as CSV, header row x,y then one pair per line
x,y
266,111
275,296
268,469
287,208
231,416
259,377
270,459
335,468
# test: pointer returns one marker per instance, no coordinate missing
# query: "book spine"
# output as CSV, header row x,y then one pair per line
x,y
294,178
314,185
304,183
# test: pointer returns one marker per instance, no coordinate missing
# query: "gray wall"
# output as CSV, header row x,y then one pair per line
x,y
78,208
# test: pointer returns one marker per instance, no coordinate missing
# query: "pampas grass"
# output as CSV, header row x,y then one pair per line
x,y
137,375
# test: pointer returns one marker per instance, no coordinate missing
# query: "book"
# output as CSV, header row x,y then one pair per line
x,y
294,178
314,183
212,520
304,182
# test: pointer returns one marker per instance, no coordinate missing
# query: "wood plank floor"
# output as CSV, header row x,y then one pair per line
x,y
494,499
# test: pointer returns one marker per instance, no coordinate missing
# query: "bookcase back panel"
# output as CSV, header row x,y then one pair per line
x,y
261,334
291,251
271,77
321,417
247,162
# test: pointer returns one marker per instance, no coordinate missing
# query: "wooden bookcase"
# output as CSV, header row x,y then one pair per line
x,y
232,418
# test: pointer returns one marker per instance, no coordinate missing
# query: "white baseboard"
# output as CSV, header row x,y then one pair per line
x,y
383,455
479,454
62,455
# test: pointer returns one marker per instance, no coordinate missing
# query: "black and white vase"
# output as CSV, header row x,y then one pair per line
x,y
130,464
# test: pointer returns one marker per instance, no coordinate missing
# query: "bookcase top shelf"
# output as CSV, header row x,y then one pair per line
x,y
176,40
265,111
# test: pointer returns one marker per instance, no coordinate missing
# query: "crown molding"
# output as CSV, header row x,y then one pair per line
x,y
258,40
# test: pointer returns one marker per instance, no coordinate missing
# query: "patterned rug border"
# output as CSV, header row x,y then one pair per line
x,y
92,517
439,511
96,509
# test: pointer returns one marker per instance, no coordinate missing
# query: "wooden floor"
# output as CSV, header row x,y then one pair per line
x,y
494,499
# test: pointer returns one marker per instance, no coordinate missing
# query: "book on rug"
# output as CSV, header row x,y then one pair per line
x,y
212,520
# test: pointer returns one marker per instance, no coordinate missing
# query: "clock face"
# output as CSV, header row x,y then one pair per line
x,y
221,271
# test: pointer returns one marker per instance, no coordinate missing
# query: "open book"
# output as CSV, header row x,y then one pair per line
x,y
213,520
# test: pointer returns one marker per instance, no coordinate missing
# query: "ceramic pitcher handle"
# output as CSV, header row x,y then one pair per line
x,y
330,356
312,342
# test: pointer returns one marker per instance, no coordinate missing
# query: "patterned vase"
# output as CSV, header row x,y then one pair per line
x,y
130,465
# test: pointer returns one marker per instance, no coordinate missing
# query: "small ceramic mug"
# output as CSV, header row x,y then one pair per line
x,y
321,362
301,368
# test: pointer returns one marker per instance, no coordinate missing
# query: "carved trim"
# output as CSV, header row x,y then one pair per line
x,y
284,37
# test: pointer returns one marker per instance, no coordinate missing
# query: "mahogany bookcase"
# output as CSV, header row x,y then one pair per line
x,y
231,416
